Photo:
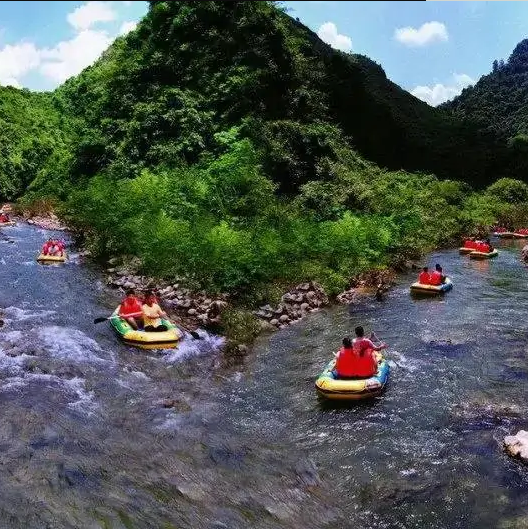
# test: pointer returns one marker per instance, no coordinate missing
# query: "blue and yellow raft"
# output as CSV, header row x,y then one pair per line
x,y
419,288
330,387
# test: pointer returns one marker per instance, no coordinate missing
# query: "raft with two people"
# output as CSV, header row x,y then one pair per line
x,y
5,220
433,283
358,370
53,251
143,324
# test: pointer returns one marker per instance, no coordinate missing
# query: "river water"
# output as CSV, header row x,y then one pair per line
x,y
85,442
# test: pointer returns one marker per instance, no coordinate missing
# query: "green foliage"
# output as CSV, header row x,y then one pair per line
x,y
226,145
509,190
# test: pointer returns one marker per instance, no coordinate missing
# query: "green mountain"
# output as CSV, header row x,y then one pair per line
x,y
191,70
226,144
498,100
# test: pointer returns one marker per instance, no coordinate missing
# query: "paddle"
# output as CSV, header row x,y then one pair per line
x,y
194,334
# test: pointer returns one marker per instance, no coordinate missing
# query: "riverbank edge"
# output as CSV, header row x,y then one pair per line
x,y
237,322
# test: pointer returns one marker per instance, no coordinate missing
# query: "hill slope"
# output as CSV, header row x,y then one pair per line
x,y
226,145
32,132
193,69
498,100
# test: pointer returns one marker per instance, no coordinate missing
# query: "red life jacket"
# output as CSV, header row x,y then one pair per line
x,y
424,278
130,306
351,364
436,278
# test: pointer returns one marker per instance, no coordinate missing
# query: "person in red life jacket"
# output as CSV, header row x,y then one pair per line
x,y
424,278
356,358
47,247
437,276
60,247
131,310
4,217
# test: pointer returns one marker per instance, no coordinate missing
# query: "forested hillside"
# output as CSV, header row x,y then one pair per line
x,y
498,103
226,143
32,132
192,70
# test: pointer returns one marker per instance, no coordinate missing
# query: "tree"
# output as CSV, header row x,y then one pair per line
x,y
495,65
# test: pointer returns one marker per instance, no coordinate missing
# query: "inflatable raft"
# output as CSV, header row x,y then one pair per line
x,y
51,258
10,223
505,235
419,288
333,388
520,235
483,255
464,251
146,340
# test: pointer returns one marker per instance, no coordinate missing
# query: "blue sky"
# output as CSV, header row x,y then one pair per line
x,y
453,43
432,49
44,43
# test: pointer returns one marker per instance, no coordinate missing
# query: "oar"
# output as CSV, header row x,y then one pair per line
x,y
105,318
194,334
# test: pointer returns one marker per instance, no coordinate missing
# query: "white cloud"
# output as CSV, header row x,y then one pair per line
x,y
439,93
90,13
425,34
16,61
70,57
127,27
328,33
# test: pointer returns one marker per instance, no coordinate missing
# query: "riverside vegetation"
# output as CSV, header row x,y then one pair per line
x,y
228,149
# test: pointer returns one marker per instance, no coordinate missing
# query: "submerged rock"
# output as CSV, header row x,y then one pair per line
x,y
517,445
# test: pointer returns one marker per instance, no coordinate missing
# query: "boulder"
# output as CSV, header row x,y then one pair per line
x,y
284,319
191,312
303,286
517,445
524,253
305,307
274,322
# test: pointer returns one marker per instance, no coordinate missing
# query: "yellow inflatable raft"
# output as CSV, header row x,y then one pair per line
x,y
464,251
482,255
146,340
330,387
419,288
51,258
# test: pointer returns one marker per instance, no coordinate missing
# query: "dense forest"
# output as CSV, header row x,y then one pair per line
x,y
225,143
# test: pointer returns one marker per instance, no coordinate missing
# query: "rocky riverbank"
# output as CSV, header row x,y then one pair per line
x,y
48,222
199,309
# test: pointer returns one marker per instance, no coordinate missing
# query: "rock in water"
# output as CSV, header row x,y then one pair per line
x,y
517,445
524,253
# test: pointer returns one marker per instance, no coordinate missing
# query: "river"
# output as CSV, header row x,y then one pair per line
x,y
85,442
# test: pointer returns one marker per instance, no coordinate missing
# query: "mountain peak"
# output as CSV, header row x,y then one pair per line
x,y
520,54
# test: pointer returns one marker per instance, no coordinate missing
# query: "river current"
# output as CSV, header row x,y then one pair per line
x,y
85,441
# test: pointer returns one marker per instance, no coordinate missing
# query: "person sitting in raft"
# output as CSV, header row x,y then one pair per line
x,y
4,217
131,310
54,248
152,313
47,246
437,277
355,359
60,246
424,278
